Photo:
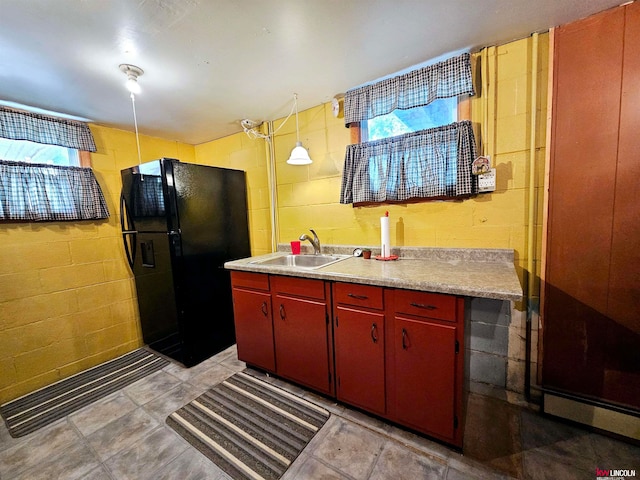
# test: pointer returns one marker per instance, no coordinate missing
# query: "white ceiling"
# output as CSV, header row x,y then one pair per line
x,y
210,63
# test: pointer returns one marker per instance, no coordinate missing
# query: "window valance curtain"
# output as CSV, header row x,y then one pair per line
x,y
417,88
37,192
429,163
19,125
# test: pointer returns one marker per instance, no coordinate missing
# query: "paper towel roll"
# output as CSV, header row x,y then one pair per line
x,y
385,250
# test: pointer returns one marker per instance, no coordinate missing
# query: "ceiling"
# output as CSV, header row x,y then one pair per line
x,y
210,63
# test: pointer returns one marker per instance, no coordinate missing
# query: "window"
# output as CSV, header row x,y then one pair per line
x,y
409,140
40,176
32,152
439,112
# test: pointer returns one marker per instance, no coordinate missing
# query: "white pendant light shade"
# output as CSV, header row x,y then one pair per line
x,y
299,156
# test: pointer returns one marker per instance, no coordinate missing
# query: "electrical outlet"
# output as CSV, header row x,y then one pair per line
x,y
487,181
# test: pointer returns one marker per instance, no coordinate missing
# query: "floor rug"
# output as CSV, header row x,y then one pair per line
x,y
42,407
249,428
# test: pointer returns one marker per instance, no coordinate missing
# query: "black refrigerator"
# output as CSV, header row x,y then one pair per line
x,y
180,223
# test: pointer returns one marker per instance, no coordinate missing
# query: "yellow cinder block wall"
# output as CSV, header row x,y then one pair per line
x,y
67,297
308,196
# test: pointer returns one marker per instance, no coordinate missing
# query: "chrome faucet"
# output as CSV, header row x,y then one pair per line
x,y
315,241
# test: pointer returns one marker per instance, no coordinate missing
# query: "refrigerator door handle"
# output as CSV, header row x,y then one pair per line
x,y
131,252
174,239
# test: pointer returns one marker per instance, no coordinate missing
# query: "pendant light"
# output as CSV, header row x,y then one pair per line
x,y
299,154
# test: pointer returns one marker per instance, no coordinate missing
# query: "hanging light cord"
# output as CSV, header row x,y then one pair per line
x,y
135,122
295,104
253,133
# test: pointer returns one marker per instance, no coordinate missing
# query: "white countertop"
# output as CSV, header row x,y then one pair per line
x,y
485,273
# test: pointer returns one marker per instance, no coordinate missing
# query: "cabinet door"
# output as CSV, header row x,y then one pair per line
x,y
254,328
302,350
424,375
359,350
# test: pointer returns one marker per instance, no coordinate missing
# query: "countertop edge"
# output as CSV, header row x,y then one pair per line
x,y
506,269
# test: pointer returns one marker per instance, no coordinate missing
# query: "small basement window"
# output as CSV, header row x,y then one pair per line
x,y
411,136
439,112
32,152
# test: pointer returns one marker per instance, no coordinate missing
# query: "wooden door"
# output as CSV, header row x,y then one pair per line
x,y
624,301
587,80
622,360
591,312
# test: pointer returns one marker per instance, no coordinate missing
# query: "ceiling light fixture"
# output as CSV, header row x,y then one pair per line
x,y
132,72
299,154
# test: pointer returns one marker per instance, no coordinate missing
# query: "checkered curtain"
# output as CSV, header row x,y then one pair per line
x,y
19,125
37,192
429,163
446,79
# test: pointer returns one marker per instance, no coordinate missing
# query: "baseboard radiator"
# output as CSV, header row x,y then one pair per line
x,y
599,415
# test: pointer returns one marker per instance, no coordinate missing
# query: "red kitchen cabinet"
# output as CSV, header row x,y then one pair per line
x,y
303,339
424,374
253,319
425,367
398,354
359,346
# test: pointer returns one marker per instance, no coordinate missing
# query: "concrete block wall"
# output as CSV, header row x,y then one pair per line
x,y
488,341
496,346
67,297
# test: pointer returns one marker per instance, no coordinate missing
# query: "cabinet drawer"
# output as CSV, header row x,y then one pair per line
x,y
256,281
425,304
301,287
358,295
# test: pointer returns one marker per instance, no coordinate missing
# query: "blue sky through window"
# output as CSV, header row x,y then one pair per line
x,y
439,112
32,152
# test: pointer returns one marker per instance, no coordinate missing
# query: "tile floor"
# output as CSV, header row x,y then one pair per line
x,y
124,436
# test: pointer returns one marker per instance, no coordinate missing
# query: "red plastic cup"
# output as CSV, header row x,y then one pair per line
x,y
295,247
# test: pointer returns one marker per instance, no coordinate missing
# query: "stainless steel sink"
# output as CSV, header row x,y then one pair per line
x,y
302,261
